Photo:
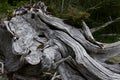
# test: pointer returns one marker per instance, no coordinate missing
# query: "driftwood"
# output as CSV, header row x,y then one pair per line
x,y
35,45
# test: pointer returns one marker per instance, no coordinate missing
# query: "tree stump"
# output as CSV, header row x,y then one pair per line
x,y
35,45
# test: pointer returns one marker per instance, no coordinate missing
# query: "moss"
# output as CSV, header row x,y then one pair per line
x,y
115,59
75,19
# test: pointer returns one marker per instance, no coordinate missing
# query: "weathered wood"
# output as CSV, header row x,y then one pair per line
x,y
83,58
109,35
104,25
36,45
88,35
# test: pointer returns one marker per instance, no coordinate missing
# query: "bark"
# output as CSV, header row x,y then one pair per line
x,y
35,45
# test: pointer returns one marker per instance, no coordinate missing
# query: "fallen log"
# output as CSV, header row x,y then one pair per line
x,y
38,46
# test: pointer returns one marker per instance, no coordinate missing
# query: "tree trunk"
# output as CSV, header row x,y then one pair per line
x,y
37,46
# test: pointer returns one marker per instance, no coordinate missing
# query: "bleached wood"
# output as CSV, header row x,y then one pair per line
x,y
46,44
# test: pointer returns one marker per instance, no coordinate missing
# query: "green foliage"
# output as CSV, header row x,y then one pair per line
x,y
22,3
74,17
5,9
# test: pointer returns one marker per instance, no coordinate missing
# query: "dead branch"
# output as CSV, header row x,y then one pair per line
x,y
104,25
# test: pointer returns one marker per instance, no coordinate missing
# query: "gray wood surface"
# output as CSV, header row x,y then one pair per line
x,y
38,46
